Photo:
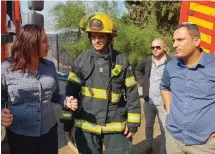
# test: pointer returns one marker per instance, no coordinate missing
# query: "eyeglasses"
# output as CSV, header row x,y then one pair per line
x,y
156,47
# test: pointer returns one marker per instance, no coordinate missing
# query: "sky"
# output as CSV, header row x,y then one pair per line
x,y
48,19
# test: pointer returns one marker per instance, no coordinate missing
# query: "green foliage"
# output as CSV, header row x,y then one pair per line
x,y
136,42
164,13
111,8
140,12
155,18
77,48
68,15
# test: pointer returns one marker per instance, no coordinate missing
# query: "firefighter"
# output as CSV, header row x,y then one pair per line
x,y
103,82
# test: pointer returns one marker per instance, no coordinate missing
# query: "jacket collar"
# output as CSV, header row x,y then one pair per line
x,y
168,58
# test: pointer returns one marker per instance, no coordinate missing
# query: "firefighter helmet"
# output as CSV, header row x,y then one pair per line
x,y
98,22
82,23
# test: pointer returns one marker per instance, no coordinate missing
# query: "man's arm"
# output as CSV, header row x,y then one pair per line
x,y
132,98
73,88
166,96
140,72
165,89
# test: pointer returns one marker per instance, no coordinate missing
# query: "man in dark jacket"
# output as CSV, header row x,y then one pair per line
x,y
103,82
149,73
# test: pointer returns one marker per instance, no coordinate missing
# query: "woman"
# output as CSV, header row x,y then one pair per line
x,y
29,85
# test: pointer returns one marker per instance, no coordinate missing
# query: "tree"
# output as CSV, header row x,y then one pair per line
x,y
69,14
163,14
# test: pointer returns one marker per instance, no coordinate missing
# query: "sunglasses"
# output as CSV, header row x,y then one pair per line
x,y
156,47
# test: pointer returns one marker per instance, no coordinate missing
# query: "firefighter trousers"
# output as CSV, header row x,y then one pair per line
x,y
90,143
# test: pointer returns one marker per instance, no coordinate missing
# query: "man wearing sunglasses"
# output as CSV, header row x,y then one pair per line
x,y
149,73
188,91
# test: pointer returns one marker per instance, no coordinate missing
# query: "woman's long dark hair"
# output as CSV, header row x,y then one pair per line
x,y
26,44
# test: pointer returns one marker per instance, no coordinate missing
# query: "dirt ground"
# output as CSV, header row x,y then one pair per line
x,y
138,140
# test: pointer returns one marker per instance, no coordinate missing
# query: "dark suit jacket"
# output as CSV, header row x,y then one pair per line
x,y
143,71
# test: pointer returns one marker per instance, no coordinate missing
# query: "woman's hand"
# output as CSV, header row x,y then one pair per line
x,y
6,117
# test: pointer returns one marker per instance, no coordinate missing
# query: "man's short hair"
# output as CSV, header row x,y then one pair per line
x,y
193,29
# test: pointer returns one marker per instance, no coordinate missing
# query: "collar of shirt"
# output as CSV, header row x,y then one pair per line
x,y
161,62
43,63
98,55
202,61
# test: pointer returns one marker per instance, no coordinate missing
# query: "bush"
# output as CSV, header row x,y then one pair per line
x,y
77,48
136,42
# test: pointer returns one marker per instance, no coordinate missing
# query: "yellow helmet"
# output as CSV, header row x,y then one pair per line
x,y
82,23
98,22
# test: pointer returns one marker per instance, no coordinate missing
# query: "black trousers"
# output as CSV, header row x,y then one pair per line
x,y
44,144
89,143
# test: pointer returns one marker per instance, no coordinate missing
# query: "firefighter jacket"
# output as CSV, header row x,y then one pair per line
x,y
108,97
